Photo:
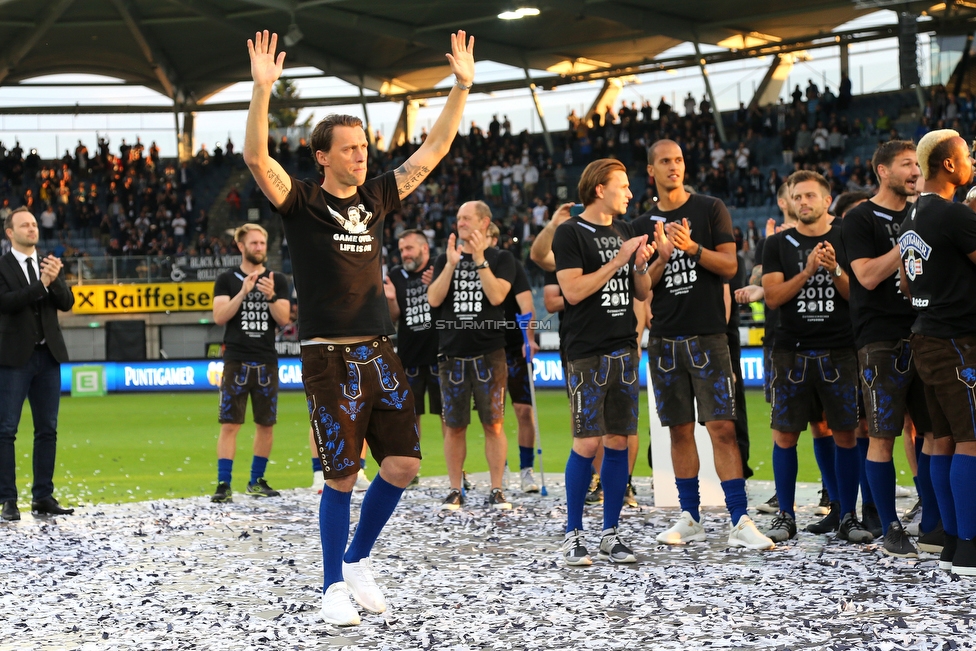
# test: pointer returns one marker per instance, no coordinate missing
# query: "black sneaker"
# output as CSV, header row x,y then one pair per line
x,y
630,496
948,553
871,520
468,486
613,549
260,488
769,506
933,541
595,494
782,529
823,508
964,560
574,552
852,530
897,543
912,512
496,500
453,501
830,522
222,494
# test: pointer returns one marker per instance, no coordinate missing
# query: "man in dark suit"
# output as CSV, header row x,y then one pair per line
x,y
32,290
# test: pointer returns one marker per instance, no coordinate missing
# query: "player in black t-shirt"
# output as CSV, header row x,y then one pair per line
x,y
519,301
938,253
601,268
688,349
803,276
882,317
471,281
252,302
354,382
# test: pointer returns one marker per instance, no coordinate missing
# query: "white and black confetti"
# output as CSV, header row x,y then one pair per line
x,y
187,574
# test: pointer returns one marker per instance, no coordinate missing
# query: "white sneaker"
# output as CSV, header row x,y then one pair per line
x,y
336,607
684,530
745,534
362,481
318,481
528,481
359,578
902,491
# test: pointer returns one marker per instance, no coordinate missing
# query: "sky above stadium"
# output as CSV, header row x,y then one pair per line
x,y
870,66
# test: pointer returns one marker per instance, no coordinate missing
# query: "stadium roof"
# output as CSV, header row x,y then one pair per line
x,y
190,49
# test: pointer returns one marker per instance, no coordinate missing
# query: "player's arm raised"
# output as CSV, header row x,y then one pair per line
x,y
265,70
438,142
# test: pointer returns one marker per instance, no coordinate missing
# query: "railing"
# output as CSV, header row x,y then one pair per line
x,y
146,269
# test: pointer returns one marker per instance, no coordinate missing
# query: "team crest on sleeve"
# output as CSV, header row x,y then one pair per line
x,y
913,250
355,220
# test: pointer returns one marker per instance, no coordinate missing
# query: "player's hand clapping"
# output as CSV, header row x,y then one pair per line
x,y
629,248
266,285
680,235
813,260
663,244
453,250
478,243
249,282
50,267
828,257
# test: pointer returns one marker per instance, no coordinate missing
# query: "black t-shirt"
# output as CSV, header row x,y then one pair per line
x,y
817,317
250,334
604,321
689,299
513,335
550,279
882,313
936,240
770,316
470,323
336,247
416,336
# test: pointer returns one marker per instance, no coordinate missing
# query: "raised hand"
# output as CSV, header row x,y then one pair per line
x,y
266,285
680,234
389,289
478,243
665,247
462,57
49,267
562,213
265,67
249,282
770,227
628,249
828,257
453,250
813,260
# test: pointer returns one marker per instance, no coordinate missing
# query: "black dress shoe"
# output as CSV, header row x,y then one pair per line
x,y
49,506
10,512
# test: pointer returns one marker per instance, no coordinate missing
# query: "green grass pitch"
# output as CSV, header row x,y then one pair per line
x,y
128,447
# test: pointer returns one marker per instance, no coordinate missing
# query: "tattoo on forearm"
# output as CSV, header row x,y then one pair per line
x,y
276,181
409,176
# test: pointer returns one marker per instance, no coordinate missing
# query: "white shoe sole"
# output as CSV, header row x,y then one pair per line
x,y
896,555
964,571
930,549
501,507
578,562
335,622
607,557
669,540
735,542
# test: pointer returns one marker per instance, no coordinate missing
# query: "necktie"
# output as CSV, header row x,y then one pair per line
x,y
38,324
31,275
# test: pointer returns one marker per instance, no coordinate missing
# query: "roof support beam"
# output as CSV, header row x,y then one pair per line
x,y
20,47
160,65
538,109
716,114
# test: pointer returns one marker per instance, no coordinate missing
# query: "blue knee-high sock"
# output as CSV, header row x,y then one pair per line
x,y
381,498
526,457
881,476
316,464
823,450
867,491
926,493
785,467
962,476
919,440
735,498
224,468
613,476
258,466
941,465
847,465
688,496
577,481
334,532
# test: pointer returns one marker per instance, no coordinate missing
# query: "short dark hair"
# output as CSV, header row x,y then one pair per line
x,y
848,200
887,151
8,221
414,231
802,176
654,146
939,154
322,133
597,173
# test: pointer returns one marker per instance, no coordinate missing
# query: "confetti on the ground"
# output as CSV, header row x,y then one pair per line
x,y
187,574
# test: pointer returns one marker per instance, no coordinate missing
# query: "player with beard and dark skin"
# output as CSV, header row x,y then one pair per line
x,y
251,302
882,317
354,382
938,255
